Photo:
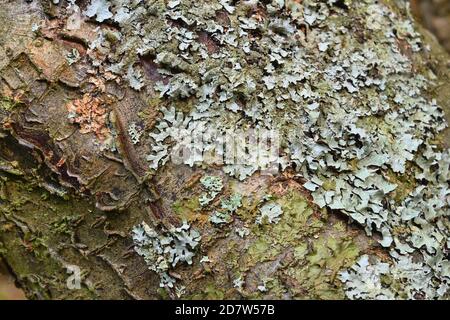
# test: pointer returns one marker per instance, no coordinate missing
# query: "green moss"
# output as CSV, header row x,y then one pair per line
x,y
211,292
27,233
11,168
406,182
65,224
317,270
7,104
2,249
188,210
262,250
163,294
297,220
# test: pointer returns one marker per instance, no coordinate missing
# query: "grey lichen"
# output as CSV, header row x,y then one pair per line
x,y
72,56
270,212
242,232
213,186
227,207
349,106
164,250
99,9
135,132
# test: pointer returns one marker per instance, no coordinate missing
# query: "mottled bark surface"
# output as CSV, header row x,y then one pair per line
x,y
66,201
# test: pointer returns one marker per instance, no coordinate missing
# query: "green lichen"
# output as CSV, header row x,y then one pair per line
x,y
262,250
8,104
317,270
27,250
319,247
210,292
187,209
213,186
354,115
406,183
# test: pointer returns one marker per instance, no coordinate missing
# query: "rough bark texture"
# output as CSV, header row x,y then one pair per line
x,y
65,201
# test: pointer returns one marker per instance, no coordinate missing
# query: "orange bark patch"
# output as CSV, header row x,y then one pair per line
x,y
90,114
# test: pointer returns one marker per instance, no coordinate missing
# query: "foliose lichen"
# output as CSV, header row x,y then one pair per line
x,y
340,85
166,250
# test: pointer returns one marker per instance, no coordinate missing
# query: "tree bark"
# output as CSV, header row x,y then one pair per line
x,y
68,203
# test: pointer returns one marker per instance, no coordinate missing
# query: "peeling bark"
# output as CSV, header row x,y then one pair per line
x,y
66,201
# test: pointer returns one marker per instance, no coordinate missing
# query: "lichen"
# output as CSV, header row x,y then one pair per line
x,y
135,133
90,114
7,104
163,251
212,186
303,247
227,207
343,94
72,56
269,212
318,268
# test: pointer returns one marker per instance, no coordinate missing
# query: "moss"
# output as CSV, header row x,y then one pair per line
x,y
319,251
317,270
11,168
262,250
210,292
188,210
163,294
28,234
64,225
3,250
406,182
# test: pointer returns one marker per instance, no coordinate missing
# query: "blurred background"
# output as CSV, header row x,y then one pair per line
x,y
8,290
433,14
